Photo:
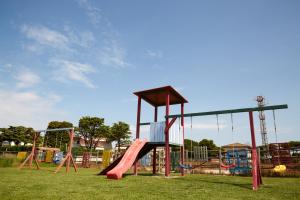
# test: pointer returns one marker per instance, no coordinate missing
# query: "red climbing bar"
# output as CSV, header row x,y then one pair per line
x,y
138,120
154,149
167,146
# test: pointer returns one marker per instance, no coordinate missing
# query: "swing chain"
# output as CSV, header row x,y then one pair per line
x,y
218,123
275,127
231,122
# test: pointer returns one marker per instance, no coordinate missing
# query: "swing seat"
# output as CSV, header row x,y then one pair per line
x,y
280,168
228,166
185,166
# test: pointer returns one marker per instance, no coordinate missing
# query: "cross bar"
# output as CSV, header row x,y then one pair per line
x,y
54,129
240,110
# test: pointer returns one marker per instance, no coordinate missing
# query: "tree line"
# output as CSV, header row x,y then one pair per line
x,y
90,129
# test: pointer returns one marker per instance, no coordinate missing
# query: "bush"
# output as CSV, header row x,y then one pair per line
x,y
16,148
8,162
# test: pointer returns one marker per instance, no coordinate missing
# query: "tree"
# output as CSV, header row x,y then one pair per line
x,y
294,144
120,132
209,143
92,129
189,144
16,134
211,147
57,138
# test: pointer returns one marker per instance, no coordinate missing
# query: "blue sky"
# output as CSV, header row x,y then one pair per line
x,y
60,60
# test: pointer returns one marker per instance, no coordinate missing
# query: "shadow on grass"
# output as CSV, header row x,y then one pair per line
x,y
247,186
131,174
139,174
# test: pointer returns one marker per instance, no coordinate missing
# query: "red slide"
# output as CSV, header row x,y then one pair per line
x,y
127,160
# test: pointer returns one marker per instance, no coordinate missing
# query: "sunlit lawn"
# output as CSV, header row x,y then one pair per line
x,y
44,184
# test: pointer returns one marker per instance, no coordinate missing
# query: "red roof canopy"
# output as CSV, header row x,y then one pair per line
x,y
157,96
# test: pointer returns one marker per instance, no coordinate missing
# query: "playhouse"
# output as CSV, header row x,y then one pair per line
x,y
162,133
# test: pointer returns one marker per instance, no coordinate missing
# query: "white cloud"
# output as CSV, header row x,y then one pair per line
x,y
35,48
28,109
26,78
81,38
73,71
113,55
154,54
45,36
94,14
6,67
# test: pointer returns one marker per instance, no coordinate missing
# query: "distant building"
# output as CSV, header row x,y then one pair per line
x,y
5,143
102,143
236,146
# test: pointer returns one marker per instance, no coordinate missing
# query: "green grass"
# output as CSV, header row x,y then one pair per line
x,y
44,184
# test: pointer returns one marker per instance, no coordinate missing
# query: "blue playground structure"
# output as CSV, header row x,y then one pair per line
x,y
239,157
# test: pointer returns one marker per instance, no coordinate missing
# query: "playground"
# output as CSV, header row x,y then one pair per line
x,y
149,100
234,171
35,184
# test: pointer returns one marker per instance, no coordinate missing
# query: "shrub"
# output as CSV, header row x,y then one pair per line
x,y
16,148
8,162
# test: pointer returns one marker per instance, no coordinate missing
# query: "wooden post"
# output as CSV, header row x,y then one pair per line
x,y
69,158
32,155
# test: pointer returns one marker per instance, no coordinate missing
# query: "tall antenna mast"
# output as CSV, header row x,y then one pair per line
x,y
263,129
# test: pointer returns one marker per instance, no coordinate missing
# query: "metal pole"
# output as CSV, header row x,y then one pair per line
x,y
167,147
220,160
154,149
138,118
240,110
55,129
182,147
256,178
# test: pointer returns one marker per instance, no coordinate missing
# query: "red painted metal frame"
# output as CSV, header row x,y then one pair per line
x,y
166,92
138,121
154,149
182,147
256,175
156,96
167,146
170,124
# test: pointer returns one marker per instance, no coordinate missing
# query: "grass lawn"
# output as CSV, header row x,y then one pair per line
x,y
44,184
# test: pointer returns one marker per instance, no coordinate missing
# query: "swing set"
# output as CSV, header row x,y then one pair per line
x,y
256,174
68,158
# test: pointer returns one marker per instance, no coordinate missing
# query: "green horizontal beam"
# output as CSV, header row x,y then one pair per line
x,y
240,110
221,112
146,123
